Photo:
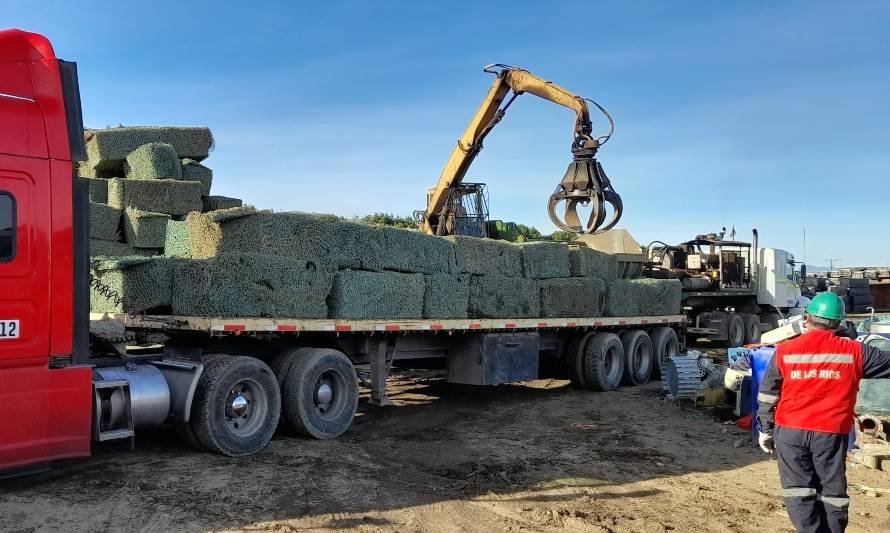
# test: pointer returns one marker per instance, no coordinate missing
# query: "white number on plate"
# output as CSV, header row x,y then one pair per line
x,y
9,329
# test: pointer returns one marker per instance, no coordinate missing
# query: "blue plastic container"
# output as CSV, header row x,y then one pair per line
x,y
760,358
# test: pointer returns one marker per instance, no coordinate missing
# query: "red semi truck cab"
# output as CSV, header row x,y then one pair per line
x,y
46,396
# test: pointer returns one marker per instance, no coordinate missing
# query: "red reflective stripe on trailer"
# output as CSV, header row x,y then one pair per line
x,y
287,327
572,324
234,327
621,322
644,322
437,327
510,325
391,327
475,326
598,324
342,327
542,324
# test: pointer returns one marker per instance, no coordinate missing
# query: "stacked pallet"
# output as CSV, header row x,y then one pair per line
x,y
855,293
188,253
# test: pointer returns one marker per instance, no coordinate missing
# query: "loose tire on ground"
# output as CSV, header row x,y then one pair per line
x,y
603,362
574,359
638,357
664,344
752,329
320,395
236,406
735,331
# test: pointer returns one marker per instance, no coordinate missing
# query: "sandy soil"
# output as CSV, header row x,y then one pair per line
x,y
533,457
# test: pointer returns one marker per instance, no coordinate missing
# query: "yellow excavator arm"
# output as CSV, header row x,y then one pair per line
x,y
583,183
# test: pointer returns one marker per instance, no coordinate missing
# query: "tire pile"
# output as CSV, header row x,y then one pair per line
x,y
855,293
162,244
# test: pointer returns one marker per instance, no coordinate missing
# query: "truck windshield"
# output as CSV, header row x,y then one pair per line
x,y
789,270
7,227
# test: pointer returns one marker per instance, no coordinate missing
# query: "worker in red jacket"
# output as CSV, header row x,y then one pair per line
x,y
806,403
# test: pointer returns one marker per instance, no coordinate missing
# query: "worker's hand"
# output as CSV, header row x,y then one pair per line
x,y
767,444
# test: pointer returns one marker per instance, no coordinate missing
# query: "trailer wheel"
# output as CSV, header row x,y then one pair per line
x,y
236,406
665,344
735,331
603,362
575,359
638,355
752,329
283,361
320,394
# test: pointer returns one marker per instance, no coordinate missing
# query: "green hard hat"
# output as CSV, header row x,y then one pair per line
x,y
827,305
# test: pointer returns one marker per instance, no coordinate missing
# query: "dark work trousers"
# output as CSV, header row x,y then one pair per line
x,y
814,479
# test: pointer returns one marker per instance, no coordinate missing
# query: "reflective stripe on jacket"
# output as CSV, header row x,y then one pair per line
x,y
821,374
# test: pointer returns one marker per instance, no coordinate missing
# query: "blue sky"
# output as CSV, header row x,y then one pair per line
x,y
753,114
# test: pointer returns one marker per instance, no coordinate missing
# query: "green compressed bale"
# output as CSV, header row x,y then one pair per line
x,y
153,161
104,222
215,203
504,297
406,250
486,256
84,169
588,262
116,249
361,295
542,260
194,171
144,229
643,297
241,285
446,296
98,190
108,148
661,296
176,241
325,238
170,197
130,284
572,297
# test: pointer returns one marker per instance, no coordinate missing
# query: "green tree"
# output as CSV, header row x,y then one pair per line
x,y
562,236
388,219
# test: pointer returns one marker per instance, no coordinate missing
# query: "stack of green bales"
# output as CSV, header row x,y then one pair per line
x,y
162,244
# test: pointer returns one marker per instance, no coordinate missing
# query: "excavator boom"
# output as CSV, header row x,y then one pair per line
x,y
583,183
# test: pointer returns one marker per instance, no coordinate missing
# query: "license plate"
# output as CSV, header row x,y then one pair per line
x,y
9,329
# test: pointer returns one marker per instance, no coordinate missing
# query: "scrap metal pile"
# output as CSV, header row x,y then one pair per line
x,y
160,243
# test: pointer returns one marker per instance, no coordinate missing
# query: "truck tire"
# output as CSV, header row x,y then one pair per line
x,y
283,361
638,358
664,344
752,329
184,430
236,406
603,362
575,359
735,331
320,394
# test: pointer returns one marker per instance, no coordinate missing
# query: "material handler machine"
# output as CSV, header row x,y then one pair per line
x,y
455,207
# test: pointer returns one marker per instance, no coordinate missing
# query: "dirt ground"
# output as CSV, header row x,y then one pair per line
x,y
533,457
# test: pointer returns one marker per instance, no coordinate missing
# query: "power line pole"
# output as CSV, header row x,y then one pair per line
x,y
831,262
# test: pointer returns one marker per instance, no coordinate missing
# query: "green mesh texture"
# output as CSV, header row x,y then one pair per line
x,y
109,148
170,197
487,256
446,296
84,169
504,297
640,297
104,222
130,284
406,250
153,161
361,295
98,190
572,297
541,260
116,249
194,171
176,242
251,285
215,203
144,229
586,261
324,238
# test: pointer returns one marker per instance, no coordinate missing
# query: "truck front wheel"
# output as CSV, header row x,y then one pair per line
x,y
320,394
236,406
